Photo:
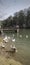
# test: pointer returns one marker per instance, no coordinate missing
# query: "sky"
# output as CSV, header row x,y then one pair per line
x,y
9,7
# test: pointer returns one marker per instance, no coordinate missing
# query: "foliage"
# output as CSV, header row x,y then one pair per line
x,y
19,18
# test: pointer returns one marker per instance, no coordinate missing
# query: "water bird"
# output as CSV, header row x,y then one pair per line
x,y
9,38
26,36
5,39
20,36
2,45
13,48
13,40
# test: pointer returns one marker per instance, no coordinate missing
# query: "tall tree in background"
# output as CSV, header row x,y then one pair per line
x,y
21,18
28,19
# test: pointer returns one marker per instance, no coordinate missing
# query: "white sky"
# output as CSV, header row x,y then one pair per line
x,y
9,7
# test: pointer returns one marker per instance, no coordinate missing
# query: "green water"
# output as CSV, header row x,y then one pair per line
x,y
23,46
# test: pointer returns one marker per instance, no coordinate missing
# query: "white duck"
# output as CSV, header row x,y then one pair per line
x,y
20,36
26,36
13,40
6,39
9,38
13,47
2,45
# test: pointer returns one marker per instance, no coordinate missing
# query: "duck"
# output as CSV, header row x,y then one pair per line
x,y
5,39
26,36
13,48
20,36
13,40
2,45
9,38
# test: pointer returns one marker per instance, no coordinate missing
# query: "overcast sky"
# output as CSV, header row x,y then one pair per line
x,y
9,7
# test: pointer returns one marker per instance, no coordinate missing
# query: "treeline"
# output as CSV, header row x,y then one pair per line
x,y
20,18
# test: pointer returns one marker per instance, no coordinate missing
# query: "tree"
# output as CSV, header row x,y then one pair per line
x,y
28,19
21,18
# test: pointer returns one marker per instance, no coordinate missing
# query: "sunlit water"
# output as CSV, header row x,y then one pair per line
x,y
23,46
